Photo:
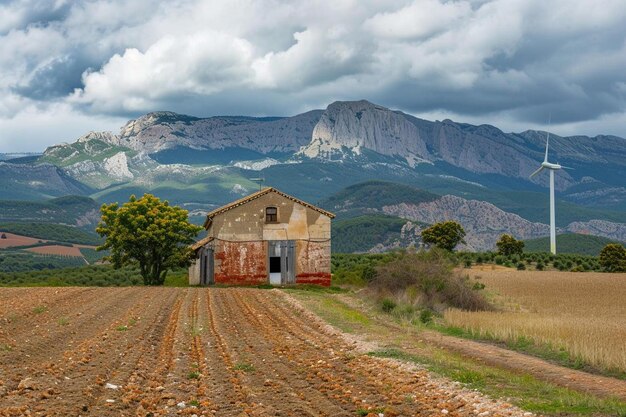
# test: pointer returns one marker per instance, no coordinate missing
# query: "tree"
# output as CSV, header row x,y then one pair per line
x,y
148,232
508,245
444,235
613,258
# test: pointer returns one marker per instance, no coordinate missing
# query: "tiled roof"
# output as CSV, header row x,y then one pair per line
x,y
201,242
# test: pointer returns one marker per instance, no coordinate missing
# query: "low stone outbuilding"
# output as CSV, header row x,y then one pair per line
x,y
268,237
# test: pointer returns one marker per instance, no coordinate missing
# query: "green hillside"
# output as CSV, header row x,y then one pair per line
x,y
362,233
20,261
93,150
364,197
569,243
69,210
54,232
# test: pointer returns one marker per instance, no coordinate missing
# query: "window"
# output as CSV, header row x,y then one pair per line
x,y
271,215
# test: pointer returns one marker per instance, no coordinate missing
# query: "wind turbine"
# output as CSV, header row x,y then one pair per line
x,y
551,167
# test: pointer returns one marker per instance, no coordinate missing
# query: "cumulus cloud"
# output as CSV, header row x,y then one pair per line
x,y
202,63
505,62
419,19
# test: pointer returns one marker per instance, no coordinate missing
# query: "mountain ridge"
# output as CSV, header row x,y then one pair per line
x,y
206,162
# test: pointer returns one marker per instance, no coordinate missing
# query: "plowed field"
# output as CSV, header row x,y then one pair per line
x,y
57,250
226,352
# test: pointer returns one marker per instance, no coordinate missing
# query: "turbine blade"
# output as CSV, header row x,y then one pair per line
x,y
562,167
545,159
536,172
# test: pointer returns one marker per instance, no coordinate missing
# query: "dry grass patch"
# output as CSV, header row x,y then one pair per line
x,y
582,313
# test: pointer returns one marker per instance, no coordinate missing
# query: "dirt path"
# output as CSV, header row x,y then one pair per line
x,y
224,352
504,358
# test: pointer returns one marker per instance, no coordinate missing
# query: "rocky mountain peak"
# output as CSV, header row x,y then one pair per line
x,y
351,126
106,137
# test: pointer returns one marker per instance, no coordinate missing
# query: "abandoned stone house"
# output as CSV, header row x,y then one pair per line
x,y
268,237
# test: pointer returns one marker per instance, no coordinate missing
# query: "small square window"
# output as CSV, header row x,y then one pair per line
x,y
271,215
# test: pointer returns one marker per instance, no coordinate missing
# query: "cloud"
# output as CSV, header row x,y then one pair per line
x,y
202,63
419,19
505,62
36,127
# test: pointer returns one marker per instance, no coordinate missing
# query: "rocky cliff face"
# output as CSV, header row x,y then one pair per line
x,y
347,128
487,150
410,236
353,126
361,135
603,228
483,222
165,130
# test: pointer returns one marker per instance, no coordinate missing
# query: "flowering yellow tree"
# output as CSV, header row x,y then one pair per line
x,y
149,233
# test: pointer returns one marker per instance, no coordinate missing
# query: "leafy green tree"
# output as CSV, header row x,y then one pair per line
x,y
445,235
507,245
613,258
148,232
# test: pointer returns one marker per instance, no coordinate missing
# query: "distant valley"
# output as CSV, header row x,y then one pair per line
x,y
437,170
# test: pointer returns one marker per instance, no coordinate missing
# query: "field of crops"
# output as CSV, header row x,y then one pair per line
x,y
581,313
196,351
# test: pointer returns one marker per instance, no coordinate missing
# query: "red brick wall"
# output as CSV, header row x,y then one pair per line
x,y
241,263
315,278
313,263
245,263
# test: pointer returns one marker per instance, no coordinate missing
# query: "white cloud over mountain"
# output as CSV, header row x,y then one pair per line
x,y
506,62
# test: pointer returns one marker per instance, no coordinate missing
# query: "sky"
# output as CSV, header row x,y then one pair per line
x,y
70,67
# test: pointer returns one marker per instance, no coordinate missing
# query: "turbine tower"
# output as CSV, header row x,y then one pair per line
x,y
551,167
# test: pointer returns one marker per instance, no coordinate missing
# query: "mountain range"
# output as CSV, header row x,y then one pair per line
x,y
201,163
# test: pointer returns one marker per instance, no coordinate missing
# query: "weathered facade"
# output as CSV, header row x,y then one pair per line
x,y
266,237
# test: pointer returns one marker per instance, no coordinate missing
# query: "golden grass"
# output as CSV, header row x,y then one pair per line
x,y
583,313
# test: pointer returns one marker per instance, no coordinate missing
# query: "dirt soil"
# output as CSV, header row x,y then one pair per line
x,y
196,351
17,240
57,250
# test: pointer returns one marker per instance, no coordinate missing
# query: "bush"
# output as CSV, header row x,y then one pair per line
x,y
507,245
388,305
431,274
445,235
613,258
539,266
521,266
368,273
426,316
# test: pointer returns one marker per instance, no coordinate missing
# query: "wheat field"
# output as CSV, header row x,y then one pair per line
x,y
583,313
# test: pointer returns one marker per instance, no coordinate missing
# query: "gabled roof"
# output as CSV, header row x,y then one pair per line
x,y
258,194
201,243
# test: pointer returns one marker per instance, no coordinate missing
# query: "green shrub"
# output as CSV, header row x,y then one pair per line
x,y
388,305
368,273
521,266
613,258
431,273
426,316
